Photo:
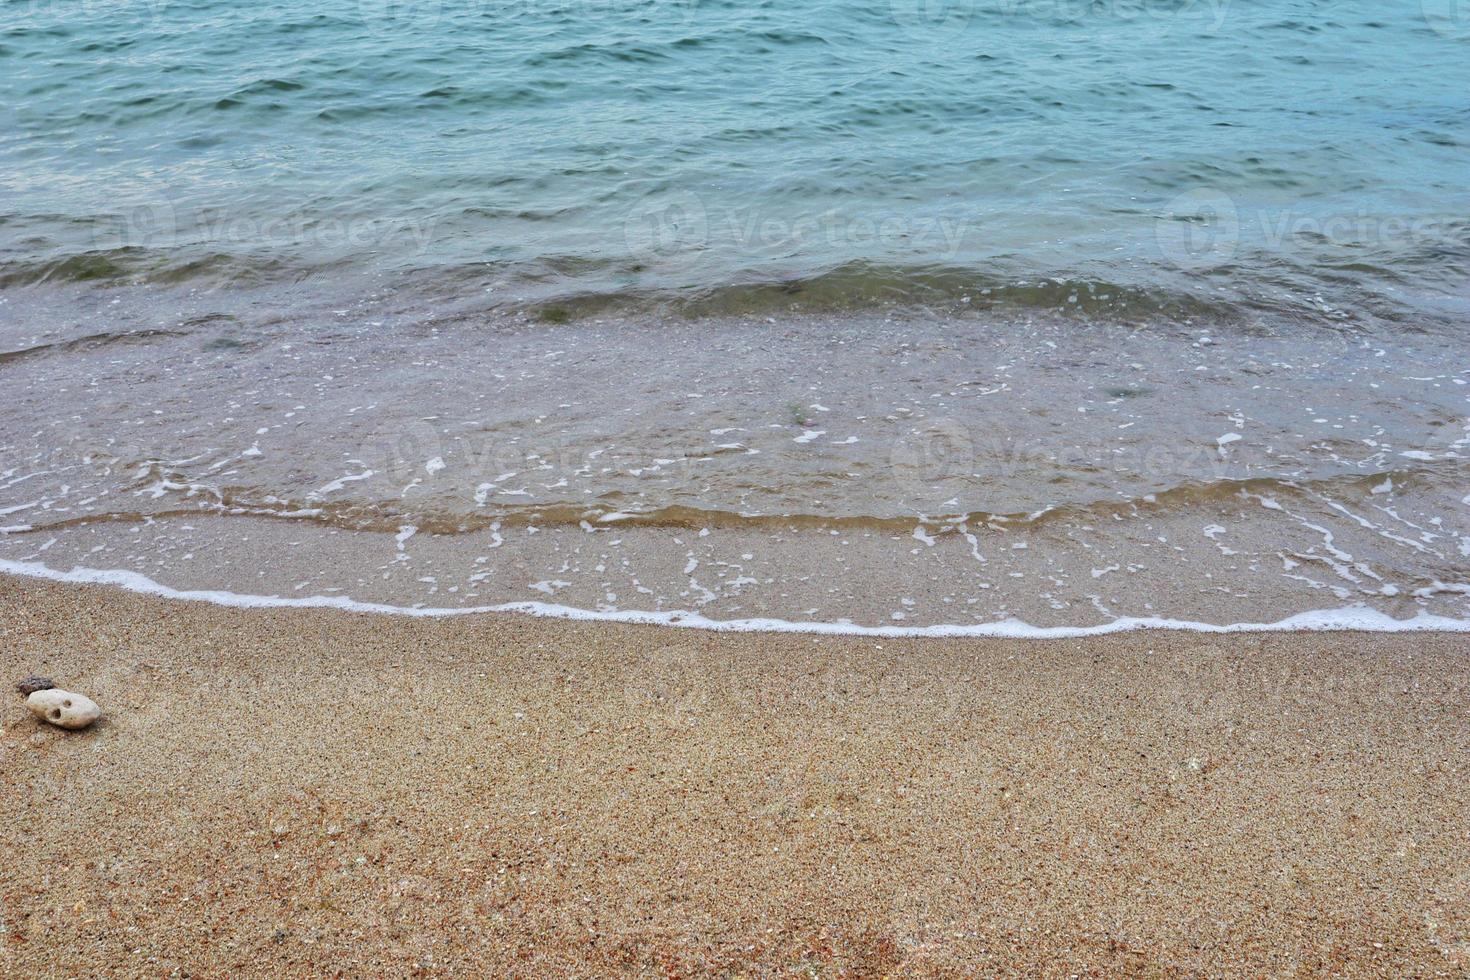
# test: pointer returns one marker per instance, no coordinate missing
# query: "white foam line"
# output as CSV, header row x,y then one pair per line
x,y
1359,618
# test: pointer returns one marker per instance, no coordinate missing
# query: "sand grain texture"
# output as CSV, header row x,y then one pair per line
x,y
315,793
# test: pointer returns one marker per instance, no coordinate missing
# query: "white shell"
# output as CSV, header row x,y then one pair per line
x,y
64,708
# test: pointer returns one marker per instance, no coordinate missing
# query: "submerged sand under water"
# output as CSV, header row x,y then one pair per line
x,y
878,467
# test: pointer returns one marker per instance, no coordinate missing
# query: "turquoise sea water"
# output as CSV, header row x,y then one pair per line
x,y
1286,155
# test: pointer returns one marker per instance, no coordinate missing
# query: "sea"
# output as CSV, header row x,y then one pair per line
x,y
1013,317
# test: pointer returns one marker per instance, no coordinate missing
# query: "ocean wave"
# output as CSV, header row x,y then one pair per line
x,y
448,517
561,288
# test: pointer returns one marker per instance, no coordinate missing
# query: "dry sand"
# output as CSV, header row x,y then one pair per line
x,y
317,793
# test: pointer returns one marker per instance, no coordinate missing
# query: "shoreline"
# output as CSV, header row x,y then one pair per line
x,y
1356,618
318,791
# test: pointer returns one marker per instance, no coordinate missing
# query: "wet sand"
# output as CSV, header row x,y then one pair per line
x,y
294,793
909,467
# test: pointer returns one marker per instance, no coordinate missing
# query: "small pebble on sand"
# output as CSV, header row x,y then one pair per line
x,y
30,685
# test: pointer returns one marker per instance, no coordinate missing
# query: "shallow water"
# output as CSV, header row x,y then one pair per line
x,y
895,314
877,467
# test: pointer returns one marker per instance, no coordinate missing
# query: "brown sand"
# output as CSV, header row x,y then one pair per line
x,y
315,793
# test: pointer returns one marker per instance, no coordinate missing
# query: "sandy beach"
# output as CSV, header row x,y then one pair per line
x,y
294,793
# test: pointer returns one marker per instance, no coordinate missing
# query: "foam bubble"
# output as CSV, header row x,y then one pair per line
x,y
1356,617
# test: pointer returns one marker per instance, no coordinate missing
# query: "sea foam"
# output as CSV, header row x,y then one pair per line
x,y
1357,617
